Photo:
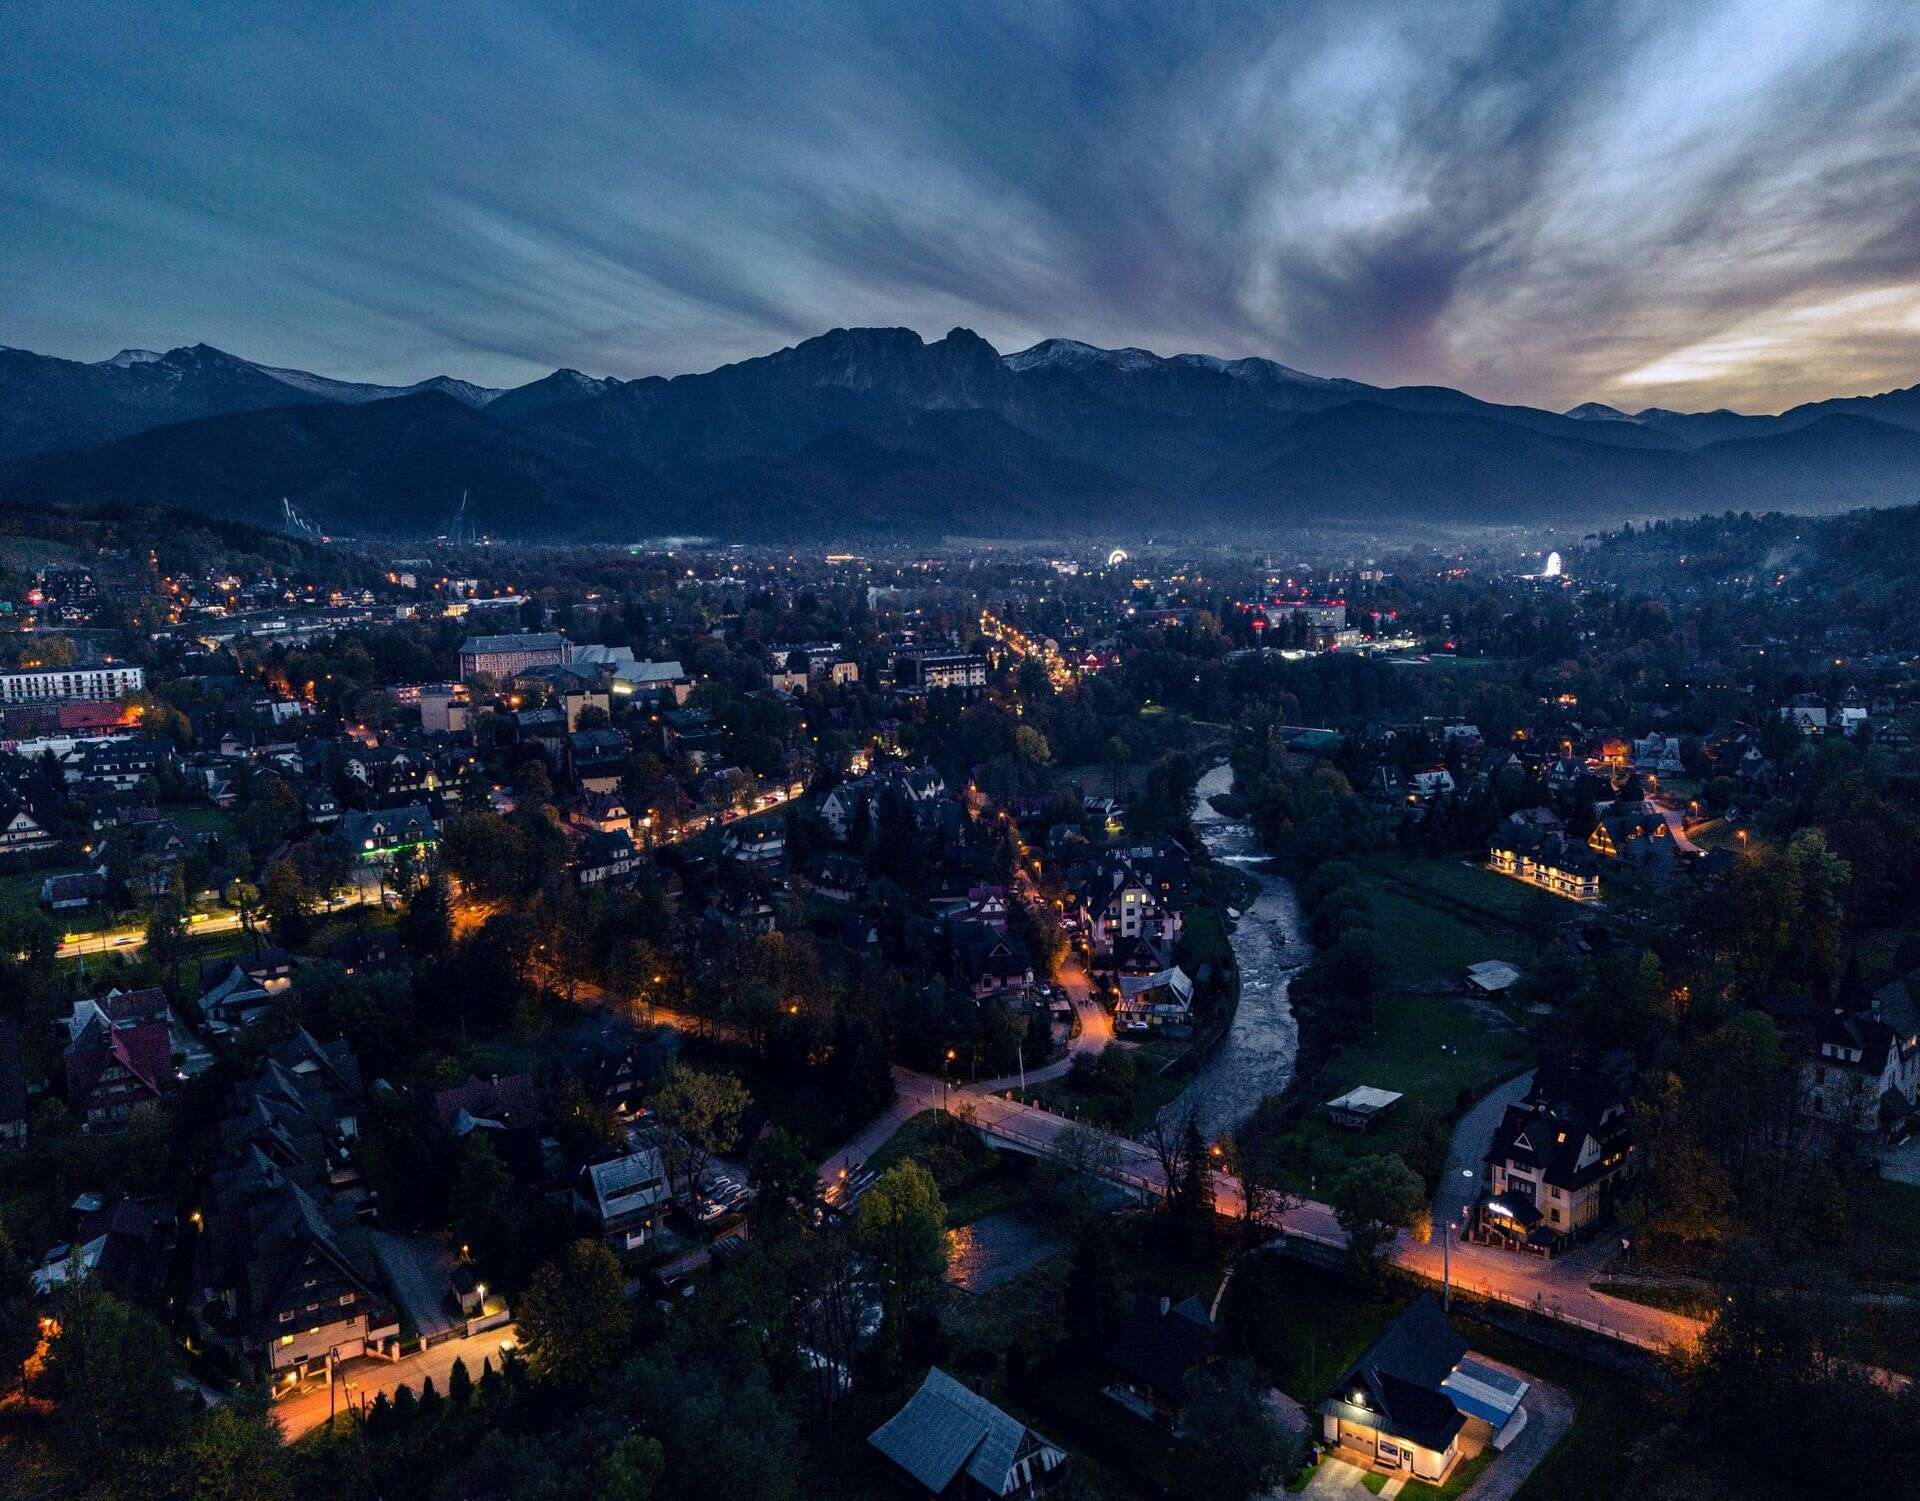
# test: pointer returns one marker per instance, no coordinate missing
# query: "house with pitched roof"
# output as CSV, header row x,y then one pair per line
x,y
1135,894
951,1441
385,832
1557,1162
1161,1346
504,1110
285,1274
1162,1001
624,1197
112,1069
1416,1402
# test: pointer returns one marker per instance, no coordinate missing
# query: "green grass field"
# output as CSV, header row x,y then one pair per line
x,y
1890,1246
1426,1047
1436,917
20,890
1313,1324
203,820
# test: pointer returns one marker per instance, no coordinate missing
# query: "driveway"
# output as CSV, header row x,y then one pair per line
x,y
1549,1415
1460,1183
1336,1477
359,1381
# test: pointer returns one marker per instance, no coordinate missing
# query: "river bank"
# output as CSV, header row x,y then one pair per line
x,y
1257,1056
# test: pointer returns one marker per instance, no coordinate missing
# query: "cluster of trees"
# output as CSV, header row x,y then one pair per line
x,y
120,1425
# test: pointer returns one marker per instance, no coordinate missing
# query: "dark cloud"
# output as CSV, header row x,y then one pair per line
x,y
1539,201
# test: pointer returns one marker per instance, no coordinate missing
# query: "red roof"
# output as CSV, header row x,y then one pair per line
x,y
91,716
145,1051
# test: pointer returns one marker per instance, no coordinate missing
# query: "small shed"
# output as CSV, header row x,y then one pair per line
x,y
1492,976
1359,1108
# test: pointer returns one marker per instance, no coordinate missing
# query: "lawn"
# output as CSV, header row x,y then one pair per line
x,y
20,892
200,819
1436,917
974,1180
1675,1297
1152,1092
1307,1324
1457,1484
1429,1048
1889,1247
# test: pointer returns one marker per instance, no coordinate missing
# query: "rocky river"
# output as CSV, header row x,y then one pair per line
x,y
1256,1057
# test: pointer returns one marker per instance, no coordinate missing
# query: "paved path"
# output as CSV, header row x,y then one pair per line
x,y
360,1381
1096,1031
1549,1415
1460,1182
1336,1479
914,1093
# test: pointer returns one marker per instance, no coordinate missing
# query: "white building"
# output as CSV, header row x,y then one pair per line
x,y
40,685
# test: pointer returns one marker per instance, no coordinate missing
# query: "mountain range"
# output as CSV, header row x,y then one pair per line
x,y
875,432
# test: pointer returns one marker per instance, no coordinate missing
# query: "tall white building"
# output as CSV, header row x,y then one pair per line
x,y
42,685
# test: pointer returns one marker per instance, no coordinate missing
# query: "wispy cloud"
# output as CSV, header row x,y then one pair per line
x,y
1716,202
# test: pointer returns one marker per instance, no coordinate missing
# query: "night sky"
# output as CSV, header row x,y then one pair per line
x,y
1684,204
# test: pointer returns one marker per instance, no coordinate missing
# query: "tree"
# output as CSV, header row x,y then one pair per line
x,y
1031,746
788,1187
901,1223
481,1204
1373,1198
244,897
573,1320
1243,1450
167,937
1683,1197
702,1114
426,926
1253,1156
632,1471
1083,1160
830,1298
271,815
235,1454
459,1383
110,1369
1096,1289
1179,1148
286,901
19,1321
1815,943
533,783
